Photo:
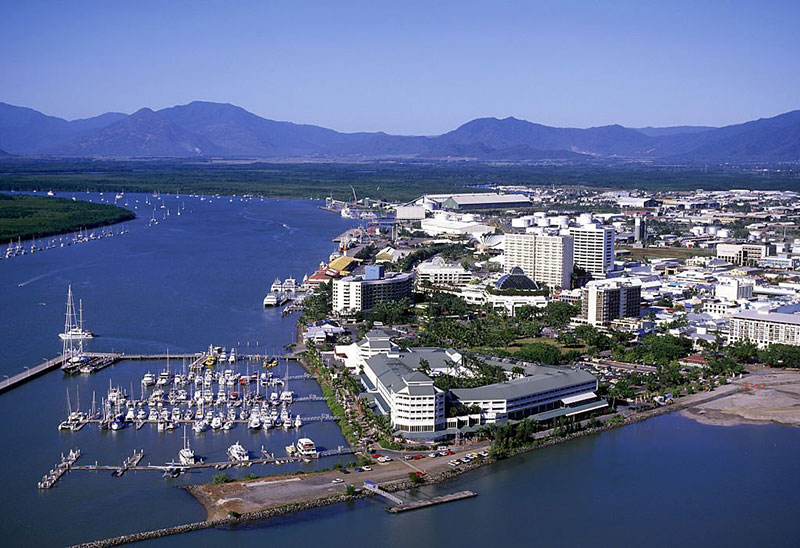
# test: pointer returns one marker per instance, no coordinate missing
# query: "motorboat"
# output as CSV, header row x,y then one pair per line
x,y
306,447
237,453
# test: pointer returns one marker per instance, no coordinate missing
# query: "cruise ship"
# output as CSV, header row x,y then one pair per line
x,y
237,453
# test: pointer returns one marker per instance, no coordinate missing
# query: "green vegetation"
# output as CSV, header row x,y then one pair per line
x,y
482,374
780,355
655,350
415,478
24,216
350,491
221,478
318,306
395,181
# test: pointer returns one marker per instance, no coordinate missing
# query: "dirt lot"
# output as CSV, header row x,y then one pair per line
x,y
769,397
264,493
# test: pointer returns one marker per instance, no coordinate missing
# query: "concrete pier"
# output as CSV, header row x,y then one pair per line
x,y
417,504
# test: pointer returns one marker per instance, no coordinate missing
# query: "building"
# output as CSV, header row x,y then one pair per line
x,y
553,264
478,200
764,327
744,254
733,290
606,300
546,259
438,273
544,393
410,213
443,223
354,294
783,262
593,248
636,203
520,252
408,396
640,230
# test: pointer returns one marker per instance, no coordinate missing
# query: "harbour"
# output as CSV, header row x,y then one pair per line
x,y
132,321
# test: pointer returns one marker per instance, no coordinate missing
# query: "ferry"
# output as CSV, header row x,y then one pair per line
x,y
306,447
237,453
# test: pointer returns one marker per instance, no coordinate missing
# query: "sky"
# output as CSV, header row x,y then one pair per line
x,y
409,67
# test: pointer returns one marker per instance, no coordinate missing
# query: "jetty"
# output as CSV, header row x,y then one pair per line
x,y
31,373
417,504
66,464
129,463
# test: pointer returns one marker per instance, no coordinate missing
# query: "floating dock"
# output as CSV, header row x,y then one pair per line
x,y
417,504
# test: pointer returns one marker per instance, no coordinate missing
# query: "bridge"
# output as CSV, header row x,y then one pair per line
x,y
373,488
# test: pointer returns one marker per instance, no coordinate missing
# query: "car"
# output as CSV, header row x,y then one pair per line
x,y
366,469
376,455
337,480
358,469
344,470
433,455
453,463
417,457
408,457
448,452
387,459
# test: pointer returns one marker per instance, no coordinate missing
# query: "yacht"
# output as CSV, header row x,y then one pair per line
x,y
254,422
216,422
186,455
200,426
237,453
298,422
149,379
306,447
73,330
287,396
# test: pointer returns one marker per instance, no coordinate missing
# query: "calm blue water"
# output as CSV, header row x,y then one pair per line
x,y
199,279
180,285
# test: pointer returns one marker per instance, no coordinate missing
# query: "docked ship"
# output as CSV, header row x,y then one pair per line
x,y
237,453
186,455
73,328
306,448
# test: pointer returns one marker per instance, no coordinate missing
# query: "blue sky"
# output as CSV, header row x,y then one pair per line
x,y
405,66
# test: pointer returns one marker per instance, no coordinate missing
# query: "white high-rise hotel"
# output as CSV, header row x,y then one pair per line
x,y
546,259
593,248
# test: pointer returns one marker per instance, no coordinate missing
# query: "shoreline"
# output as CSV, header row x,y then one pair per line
x,y
398,484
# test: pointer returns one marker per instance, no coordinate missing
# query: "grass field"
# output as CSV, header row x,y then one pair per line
x,y
27,217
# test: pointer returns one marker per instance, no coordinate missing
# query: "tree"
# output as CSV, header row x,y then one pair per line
x,y
424,366
591,336
565,338
540,352
518,371
557,314
780,355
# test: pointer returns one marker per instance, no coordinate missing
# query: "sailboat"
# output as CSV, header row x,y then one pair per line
x,y
73,326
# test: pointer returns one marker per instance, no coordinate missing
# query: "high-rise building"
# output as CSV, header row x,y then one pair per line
x,y
553,265
606,300
545,259
520,250
640,230
593,248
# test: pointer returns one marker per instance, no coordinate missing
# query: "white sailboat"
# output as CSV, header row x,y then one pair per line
x,y
73,328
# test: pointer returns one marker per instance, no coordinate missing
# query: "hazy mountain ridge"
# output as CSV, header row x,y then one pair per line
x,y
205,129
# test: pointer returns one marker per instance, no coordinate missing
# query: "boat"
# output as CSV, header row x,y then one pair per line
x,y
216,422
149,379
200,426
228,425
237,453
306,447
73,330
254,422
298,422
186,455
290,450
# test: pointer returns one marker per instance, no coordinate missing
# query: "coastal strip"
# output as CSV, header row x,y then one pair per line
x,y
395,486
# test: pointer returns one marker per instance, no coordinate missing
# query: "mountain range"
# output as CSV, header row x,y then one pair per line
x,y
204,130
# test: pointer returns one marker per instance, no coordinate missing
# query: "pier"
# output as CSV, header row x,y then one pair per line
x,y
66,464
128,463
417,504
31,373
100,360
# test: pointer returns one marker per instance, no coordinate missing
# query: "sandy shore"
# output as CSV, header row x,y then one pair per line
x,y
775,399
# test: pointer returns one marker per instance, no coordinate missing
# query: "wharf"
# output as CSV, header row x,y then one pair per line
x,y
31,373
417,504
